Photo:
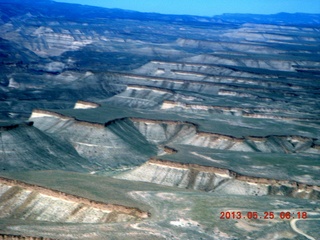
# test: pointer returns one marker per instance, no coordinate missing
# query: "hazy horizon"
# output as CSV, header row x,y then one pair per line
x,y
207,8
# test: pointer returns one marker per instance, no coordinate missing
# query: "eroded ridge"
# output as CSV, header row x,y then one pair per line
x,y
227,104
188,133
252,112
28,201
209,179
184,132
39,113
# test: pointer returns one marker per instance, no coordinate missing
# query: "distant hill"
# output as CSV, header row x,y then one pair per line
x,y
63,10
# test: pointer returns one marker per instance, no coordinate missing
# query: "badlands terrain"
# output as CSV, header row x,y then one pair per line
x,y
124,125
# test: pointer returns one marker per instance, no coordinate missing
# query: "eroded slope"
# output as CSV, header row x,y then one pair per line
x,y
30,202
225,110
24,147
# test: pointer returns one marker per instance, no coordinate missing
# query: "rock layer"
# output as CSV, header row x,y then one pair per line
x,y
32,202
209,179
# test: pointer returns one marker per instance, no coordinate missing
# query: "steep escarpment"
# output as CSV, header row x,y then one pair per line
x,y
25,147
187,133
221,180
32,202
250,112
215,115
107,146
175,175
161,132
103,142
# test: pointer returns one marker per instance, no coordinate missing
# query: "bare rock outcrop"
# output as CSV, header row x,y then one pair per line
x,y
210,179
28,201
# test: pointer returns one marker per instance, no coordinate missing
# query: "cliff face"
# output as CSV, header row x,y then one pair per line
x,y
252,112
211,179
25,147
164,132
165,174
31,202
161,132
226,107
109,145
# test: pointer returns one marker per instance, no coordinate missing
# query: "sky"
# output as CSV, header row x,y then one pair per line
x,y
207,7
